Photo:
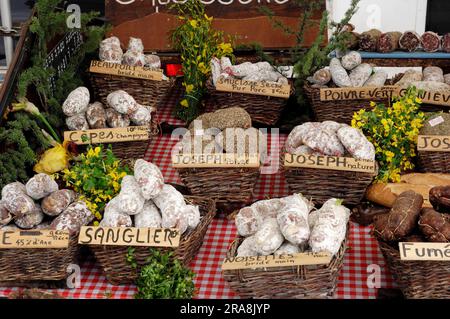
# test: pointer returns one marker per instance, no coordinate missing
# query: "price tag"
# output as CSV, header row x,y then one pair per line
x,y
288,260
433,143
436,121
129,236
363,93
253,87
137,72
330,162
108,135
424,251
214,160
27,239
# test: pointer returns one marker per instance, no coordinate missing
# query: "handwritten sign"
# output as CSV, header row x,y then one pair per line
x,y
129,236
363,93
253,87
108,135
28,239
433,143
330,162
137,72
424,251
214,160
428,97
272,261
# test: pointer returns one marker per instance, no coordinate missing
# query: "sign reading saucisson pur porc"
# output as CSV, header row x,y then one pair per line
x,y
254,262
33,239
356,93
330,162
138,72
129,236
214,160
433,143
108,135
253,87
424,251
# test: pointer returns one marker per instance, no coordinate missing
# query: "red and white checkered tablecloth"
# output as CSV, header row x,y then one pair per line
x,y
363,249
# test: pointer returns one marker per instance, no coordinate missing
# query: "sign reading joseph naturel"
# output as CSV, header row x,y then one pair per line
x,y
433,143
252,87
272,261
363,93
108,135
428,97
129,236
330,162
424,251
214,160
138,72
28,239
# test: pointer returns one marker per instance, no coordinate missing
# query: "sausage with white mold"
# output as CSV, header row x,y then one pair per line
x,y
114,119
356,143
268,238
30,220
57,202
149,178
293,219
77,102
96,115
130,199
122,102
40,186
360,74
16,201
77,122
339,74
73,218
148,217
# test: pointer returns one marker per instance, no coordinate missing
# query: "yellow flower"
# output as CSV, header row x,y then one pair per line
x,y
203,68
208,18
97,151
226,48
193,23
189,88
372,103
184,103
53,160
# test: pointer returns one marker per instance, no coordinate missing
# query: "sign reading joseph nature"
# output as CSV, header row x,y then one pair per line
x,y
242,19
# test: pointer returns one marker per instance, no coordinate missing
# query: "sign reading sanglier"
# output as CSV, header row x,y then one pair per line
x,y
330,162
424,251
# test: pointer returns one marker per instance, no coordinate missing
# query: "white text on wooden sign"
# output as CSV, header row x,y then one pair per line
x,y
433,143
428,97
272,261
330,162
28,239
424,251
108,135
138,72
214,160
129,236
356,93
253,87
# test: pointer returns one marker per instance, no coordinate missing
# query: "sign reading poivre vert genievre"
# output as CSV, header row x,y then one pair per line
x,y
429,97
254,262
108,135
357,93
138,72
330,162
214,160
253,87
424,251
433,143
27,239
129,236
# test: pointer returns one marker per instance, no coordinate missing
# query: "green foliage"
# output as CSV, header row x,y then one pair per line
x,y
163,277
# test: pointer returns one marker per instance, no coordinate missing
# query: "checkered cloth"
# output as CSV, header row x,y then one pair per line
x,y
353,282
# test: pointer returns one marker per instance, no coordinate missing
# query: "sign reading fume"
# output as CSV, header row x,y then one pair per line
x,y
129,236
330,162
424,251
433,143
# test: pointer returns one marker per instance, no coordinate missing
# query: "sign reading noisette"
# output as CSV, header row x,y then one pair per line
x,y
252,87
330,162
272,261
27,239
108,135
214,160
364,93
129,236
433,143
137,72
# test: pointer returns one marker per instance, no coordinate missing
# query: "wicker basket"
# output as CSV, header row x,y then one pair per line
x,y
224,185
418,279
434,162
145,92
27,265
301,282
262,109
132,149
113,258
323,184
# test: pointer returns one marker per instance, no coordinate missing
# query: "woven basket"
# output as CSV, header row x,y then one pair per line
x,y
322,184
146,92
113,258
25,265
262,109
132,149
418,279
434,162
224,185
301,282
